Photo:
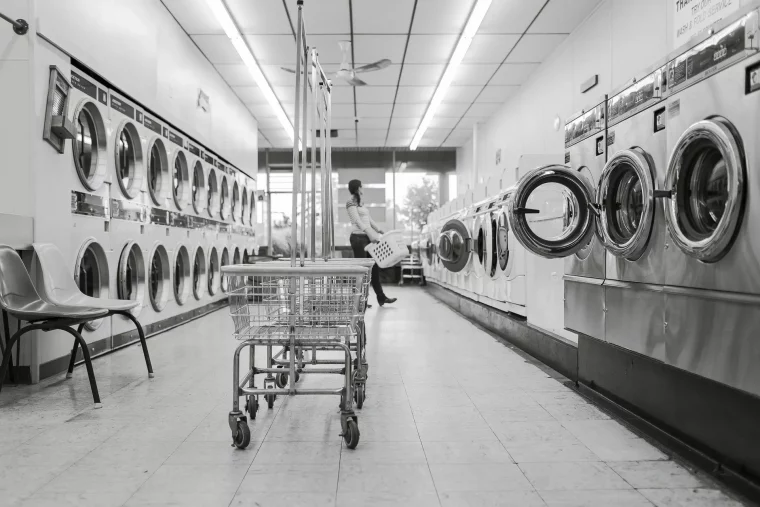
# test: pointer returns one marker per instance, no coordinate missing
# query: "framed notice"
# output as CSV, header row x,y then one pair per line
x,y
692,17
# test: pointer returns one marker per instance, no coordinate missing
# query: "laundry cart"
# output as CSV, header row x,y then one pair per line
x,y
299,307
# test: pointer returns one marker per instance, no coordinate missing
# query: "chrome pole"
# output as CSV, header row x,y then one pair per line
x,y
314,113
304,149
296,140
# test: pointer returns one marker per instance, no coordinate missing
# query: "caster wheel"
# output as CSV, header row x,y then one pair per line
x,y
281,380
359,395
242,436
252,406
270,400
351,434
298,377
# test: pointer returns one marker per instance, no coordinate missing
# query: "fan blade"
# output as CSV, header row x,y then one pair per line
x,y
292,71
354,81
371,67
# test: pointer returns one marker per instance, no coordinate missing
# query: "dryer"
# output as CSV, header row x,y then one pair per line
x,y
483,259
712,271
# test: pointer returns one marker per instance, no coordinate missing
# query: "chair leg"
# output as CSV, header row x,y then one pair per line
x,y
74,353
9,350
7,330
142,340
88,364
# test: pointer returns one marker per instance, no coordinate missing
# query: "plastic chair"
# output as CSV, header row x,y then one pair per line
x,y
19,298
58,287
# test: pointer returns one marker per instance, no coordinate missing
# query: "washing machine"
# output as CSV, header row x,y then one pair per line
x,y
128,144
199,274
212,192
630,203
483,259
455,250
225,201
712,272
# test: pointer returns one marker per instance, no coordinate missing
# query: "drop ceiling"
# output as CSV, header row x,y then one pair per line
x,y
418,36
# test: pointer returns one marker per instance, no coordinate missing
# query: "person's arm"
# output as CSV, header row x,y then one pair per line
x,y
353,215
374,226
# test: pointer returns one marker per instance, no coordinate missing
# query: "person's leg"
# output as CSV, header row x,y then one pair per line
x,y
357,245
376,285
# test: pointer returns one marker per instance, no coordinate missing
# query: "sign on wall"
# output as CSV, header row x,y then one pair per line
x,y
692,17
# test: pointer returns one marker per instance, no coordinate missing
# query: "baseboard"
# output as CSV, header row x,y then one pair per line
x,y
110,344
554,351
21,375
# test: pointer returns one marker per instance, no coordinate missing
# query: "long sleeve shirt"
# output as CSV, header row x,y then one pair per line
x,y
361,221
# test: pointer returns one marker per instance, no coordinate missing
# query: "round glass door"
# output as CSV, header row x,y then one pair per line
x,y
454,246
482,224
706,175
551,212
131,276
91,274
89,145
493,250
626,194
502,241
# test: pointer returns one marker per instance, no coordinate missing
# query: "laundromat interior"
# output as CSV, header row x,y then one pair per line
x,y
373,253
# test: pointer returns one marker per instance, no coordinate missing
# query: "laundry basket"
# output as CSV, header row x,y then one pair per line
x,y
389,250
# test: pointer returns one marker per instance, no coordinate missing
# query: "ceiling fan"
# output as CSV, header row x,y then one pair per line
x,y
346,72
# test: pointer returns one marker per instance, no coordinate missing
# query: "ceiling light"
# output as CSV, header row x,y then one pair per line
x,y
228,25
470,29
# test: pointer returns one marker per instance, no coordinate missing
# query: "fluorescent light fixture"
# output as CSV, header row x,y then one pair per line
x,y
470,29
228,25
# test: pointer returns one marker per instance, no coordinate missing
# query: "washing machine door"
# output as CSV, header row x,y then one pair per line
x,y
626,194
552,211
707,180
454,245
492,268
501,239
480,244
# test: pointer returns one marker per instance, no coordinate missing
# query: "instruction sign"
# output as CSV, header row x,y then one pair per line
x,y
692,17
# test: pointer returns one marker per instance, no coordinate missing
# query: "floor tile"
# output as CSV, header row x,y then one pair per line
x,y
572,476
656,474
290,478
689,498
384,453
306,453
386,499
595,498
466,452
550,451
212,453
491,499
385,478
478,477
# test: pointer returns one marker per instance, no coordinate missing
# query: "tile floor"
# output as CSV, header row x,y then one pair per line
x,y
452,418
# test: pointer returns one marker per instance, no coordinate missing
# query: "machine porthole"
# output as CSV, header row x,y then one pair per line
x,y
181,277
236,256
89,146
158,278
244,207
199,273
213,271
198,187
91,274
225,262
129,160
180,181
252,209
224,196
131,276
212,193
158,171
235,205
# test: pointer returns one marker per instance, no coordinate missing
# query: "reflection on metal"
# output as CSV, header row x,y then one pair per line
x,y
635,317
181,188
454,246
89,205
130,277
129,159
91,274
584,306
213,271
181,276
199,273
89,145
212,194
159,278
707,176
626,195
198,190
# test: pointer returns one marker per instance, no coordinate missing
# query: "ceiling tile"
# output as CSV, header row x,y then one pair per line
x,y
328,48
344,143
261,110
562,16
194,16
273,49
264,144
217,48
494,93
462,93
398,142
452,110
384,77
510,16
443,122
341,123
535,47
373,133
323,16
490,48
404,122
374,123
430,48
342,95
342,110
374,110
375,94
347,133
437,133
371,48
453,143
269,123
371,143
401,133
414,94
474,74
388,16
236,74
274,133
513,73
430,142
277,76
285,94
259,16
409,110
441,16
482,109
250,94
421,75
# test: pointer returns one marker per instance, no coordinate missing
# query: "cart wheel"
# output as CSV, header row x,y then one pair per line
x,y
359,395
252,406
242,437
298,377
351,434
282,380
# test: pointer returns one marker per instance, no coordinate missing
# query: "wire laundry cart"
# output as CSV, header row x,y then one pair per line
x,y
297,307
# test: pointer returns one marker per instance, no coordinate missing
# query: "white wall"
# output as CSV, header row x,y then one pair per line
x,y
619,39
140,48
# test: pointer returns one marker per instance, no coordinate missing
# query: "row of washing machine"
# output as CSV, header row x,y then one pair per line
x,y
653,211
151,215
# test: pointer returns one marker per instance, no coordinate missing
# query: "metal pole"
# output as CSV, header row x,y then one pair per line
x,y
269,205
296,140
323,172
304,152
20,26
314,112
328,148
394,189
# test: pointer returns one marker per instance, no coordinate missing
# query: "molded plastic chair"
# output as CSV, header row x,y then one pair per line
x,y
19,298
58,287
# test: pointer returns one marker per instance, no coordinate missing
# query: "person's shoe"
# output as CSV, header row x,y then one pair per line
x,y
369,305
388,301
